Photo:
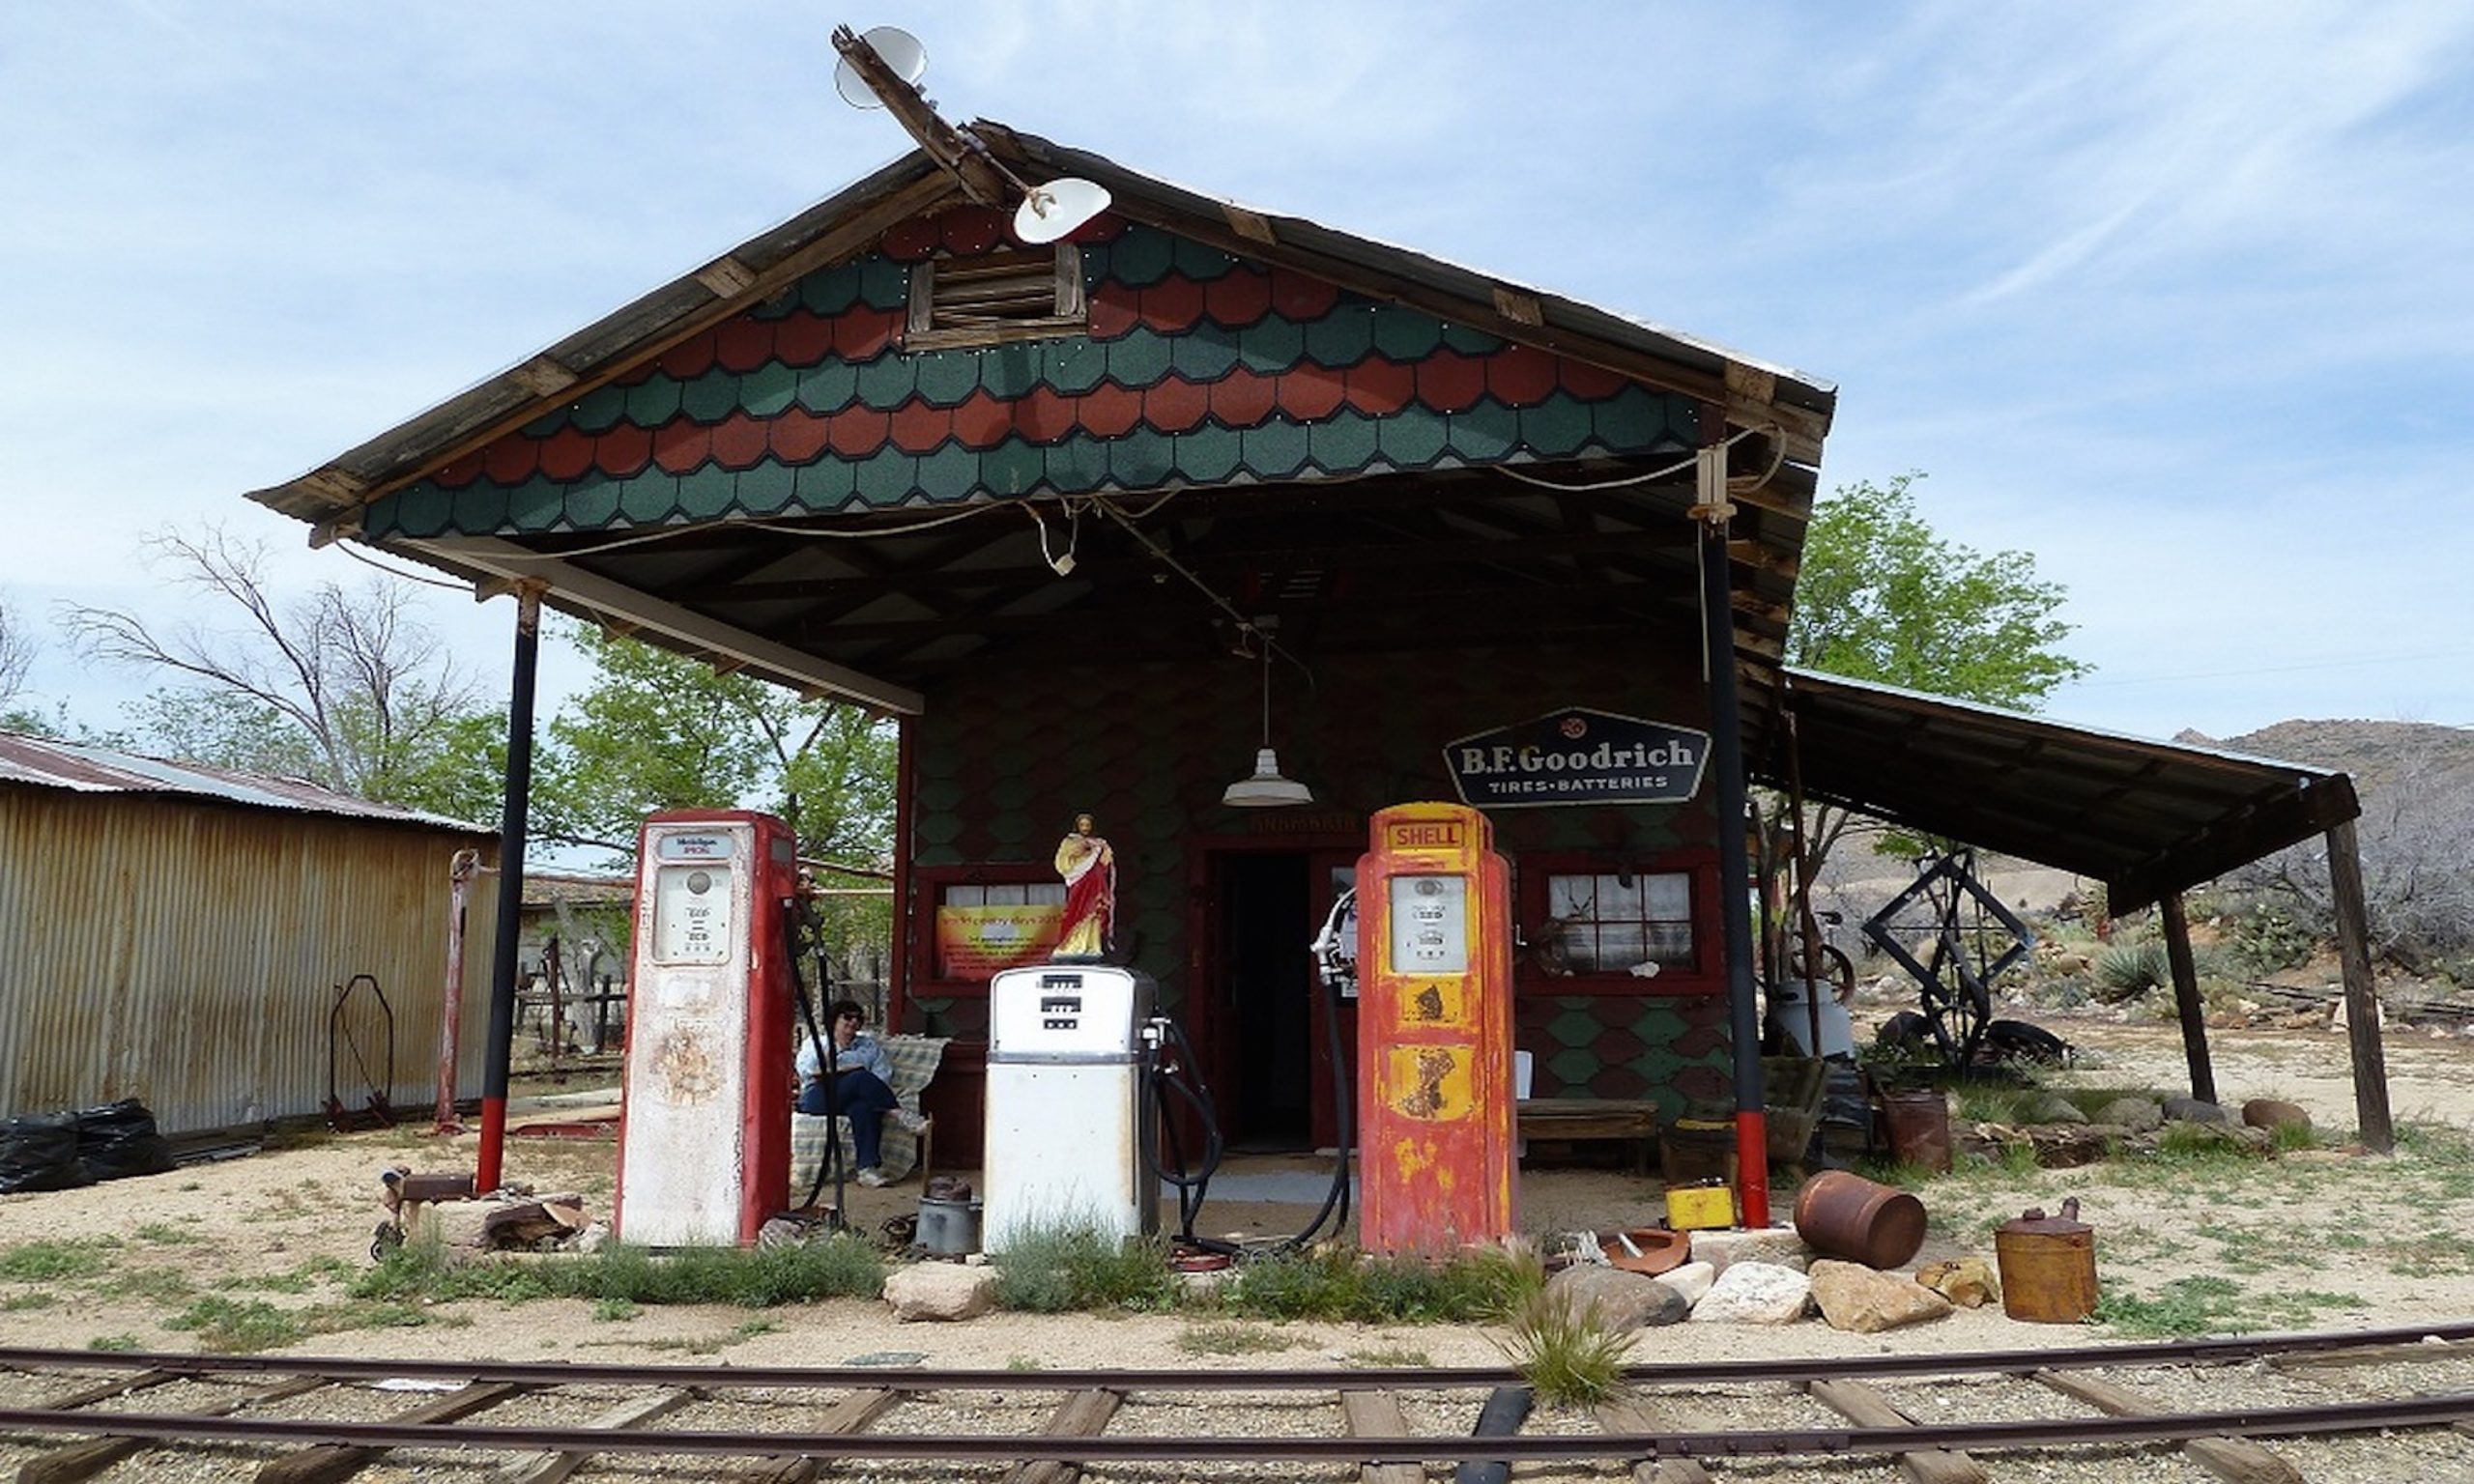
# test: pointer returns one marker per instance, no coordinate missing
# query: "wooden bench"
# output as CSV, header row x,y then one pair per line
x,y
1573,1119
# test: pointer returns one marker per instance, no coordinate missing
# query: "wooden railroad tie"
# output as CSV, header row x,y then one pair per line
x,y
330,1463
2237,1459
85,1460
1378,1414
1866,1407
1642,1415
1081,1415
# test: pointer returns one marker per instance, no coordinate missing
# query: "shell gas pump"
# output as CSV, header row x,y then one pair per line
x,y
1434,1032
704,1132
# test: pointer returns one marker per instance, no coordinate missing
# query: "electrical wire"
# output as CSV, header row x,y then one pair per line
x,y
1669,472
368,560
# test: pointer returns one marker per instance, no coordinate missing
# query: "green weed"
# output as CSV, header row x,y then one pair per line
x,y
1020,1362
20,1304
113,1342
50,1262
1386,1357
1231,1339
1052,1268
610,1311
164,1285
1334,1283
2188,1307
761,1277
164,1234
226,1326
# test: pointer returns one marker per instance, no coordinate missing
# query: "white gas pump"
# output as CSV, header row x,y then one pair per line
x,y
1069,1119
703,1132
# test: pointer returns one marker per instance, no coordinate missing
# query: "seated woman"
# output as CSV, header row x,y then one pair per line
x,y
858,1091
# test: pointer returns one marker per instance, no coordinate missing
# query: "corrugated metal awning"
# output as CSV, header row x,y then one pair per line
x,y
2145,817
42,763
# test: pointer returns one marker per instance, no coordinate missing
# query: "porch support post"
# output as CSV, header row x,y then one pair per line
x,y
511,924
2362,998
898,970
2186,997
1734,886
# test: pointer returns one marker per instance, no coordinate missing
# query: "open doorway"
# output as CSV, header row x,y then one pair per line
x,y
1267,994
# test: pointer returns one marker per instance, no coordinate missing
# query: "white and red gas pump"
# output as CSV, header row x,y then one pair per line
x,y
1434,1054
704,1133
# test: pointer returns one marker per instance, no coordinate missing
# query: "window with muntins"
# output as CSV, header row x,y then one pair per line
x,y
1616,923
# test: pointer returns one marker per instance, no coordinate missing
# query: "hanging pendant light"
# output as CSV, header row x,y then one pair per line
x,y
1266,788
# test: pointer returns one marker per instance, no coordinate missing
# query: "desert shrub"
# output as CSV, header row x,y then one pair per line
x,y
1052,1266
2264,937
761,1277
1335,1283
2129,970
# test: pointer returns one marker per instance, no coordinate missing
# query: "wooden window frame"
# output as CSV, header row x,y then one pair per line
x,y
1069,315
930,882
1705,975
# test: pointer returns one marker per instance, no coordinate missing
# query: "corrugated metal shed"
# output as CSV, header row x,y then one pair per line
x,y
179,934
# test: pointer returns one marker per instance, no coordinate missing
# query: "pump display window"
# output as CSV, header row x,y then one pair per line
x,y
1593,924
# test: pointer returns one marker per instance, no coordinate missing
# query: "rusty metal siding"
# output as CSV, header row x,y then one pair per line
x,y
188,955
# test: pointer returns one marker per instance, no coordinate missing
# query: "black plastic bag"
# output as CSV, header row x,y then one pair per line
x,y
39,1152
119,1139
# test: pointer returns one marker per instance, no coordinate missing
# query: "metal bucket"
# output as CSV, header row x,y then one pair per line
x,y
949,1228
1920,1127
1846,1216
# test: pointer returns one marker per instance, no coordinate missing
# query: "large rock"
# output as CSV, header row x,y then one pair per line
x,y
1968,1281
1779,1246
1624,1301
1855,1297
1748,1292
941,1290
2275,1115
2139,1115
2191,1110
2051,1108
1692,1280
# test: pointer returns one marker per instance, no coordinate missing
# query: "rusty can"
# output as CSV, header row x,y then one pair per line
x,y
1920,1127
2048,1265
1846,1216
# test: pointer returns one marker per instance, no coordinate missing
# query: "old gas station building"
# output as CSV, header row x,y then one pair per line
x,y
1097,521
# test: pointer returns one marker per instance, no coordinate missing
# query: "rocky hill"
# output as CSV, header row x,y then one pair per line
x,y
2379,754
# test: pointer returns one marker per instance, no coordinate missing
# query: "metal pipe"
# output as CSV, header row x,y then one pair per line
x,y
1726,742
511,924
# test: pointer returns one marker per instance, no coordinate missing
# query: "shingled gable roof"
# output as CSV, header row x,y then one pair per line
x,y
1753,392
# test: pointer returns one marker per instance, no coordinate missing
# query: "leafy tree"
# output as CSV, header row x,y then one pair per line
x,y
345,688
1882,596
658,731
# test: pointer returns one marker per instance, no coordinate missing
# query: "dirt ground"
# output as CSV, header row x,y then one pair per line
x,y
2323,1238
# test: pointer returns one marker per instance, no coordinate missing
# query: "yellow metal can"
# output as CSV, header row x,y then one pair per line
x,y
1693,1207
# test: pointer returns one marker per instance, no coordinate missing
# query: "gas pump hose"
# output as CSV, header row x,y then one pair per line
x,y
795,910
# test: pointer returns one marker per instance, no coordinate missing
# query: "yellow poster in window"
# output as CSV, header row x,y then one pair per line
x,y
975,942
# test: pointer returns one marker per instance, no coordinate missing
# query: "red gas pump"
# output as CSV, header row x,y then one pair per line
x,y
1434,1051
704,1133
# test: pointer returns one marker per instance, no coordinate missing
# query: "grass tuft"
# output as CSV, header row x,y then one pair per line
x,y
1232,1338
759,1278
1335,1283
50,1262
1568,1356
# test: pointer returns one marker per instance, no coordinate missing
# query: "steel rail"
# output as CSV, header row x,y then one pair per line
x,y
2220,1351
2033,1433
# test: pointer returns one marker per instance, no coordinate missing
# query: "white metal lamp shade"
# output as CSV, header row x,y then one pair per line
x,y
1266,790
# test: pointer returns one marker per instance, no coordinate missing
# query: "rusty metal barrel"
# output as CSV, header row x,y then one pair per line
x,y
2048,1265
1846,1216
1920,1127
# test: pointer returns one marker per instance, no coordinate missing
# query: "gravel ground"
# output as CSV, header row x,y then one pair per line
x,y
2379,1242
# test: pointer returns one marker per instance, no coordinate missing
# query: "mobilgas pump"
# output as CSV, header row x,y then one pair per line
x,y
704,1132
1434,1062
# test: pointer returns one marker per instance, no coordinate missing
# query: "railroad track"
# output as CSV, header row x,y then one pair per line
x,y
72,1415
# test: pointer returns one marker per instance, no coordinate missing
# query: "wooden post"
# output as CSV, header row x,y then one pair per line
x,y
2362,998
2186,997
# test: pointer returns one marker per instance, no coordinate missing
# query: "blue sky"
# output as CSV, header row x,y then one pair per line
x,y
2177,296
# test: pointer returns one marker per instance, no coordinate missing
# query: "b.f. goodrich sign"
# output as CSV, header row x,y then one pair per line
x,y
1577,756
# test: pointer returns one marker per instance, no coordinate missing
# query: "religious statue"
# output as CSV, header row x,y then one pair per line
x,y
1087,929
